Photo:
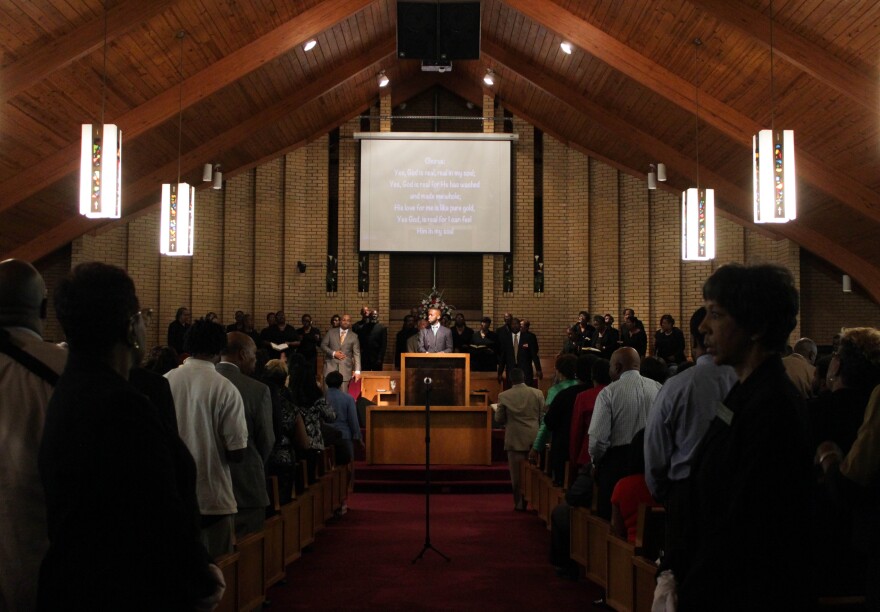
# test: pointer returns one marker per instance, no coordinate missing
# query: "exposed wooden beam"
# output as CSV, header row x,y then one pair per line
x,y
797,50
196,88
732,200
40,63
144,191
740,128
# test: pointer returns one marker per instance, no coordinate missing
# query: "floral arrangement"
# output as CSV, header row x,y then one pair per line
x,y
434,299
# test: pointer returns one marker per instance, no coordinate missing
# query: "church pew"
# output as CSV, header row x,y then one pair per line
x,y
650,540
273,557
578,536
306,507
619,573
251,589
228,565
597,551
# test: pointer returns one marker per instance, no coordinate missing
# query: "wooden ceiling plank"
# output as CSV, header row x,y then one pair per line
x,y
811,59
869,275
135,193
35,66
195,88
655,77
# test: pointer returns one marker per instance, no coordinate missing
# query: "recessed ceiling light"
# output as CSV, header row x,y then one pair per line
x,y
489,79
314,43
383,80
566,47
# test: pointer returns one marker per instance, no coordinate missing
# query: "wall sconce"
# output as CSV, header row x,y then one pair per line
x,y
207,173
847,284
383,79
301,266
652,177
218,178
489,79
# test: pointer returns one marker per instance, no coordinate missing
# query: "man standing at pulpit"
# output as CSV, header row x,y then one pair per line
x,y
435,338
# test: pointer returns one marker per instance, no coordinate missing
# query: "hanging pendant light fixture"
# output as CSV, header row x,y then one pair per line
x,y
178,200
773,175
697,204
100,168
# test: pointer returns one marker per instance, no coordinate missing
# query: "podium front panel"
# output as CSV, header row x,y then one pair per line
x,y
449,372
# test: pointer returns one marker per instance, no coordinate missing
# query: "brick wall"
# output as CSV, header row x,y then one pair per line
x,y
609,243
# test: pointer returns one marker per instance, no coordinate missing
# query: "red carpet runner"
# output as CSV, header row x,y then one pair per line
x,y
363,560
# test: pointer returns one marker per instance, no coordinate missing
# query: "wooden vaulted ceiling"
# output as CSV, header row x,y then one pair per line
x,y
627,95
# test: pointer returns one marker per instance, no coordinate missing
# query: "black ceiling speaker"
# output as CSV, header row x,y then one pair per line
x,y
458,29
438,32
417,30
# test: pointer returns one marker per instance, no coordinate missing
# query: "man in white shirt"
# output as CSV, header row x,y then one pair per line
x,y
620,413
211,421
800,366
25,390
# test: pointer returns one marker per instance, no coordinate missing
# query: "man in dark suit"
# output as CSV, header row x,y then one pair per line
x,y
519,349
435,338
238,360
342,352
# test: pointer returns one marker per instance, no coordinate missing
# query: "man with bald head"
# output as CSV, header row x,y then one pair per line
x,y
237,362
621,412
29,368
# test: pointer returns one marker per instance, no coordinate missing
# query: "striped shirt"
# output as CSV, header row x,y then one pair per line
x,y
621,412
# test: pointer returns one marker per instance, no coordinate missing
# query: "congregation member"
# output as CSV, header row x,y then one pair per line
x,y
374,343
851,479
29,370
583,331
342,352
237,362
679,417
624,330
414,342
669,343
358,326
237,322
335,321
502,332
120,486
177,329
248,329
270,323
346,422
630,493
307,398
800,366
212,424
584,404
519,349
852,374
288,428
621,411
308,339
750,476
484,348
406,332
605,338
211,317
280,337
561,410
518,411
462,335
435,337
161,360
636,337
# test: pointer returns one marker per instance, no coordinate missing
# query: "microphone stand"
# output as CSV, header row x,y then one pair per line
x,y
428,544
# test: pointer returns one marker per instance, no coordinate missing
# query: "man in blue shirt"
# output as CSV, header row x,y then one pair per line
x,y
346,418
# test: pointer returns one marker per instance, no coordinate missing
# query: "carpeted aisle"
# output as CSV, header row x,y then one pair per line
x,y
363,560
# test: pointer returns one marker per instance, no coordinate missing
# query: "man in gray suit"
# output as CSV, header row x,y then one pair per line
x,y
237,362
342,352
435,338
518,410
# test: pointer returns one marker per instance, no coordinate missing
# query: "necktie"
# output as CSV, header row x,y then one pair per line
x,y
342,336
515,345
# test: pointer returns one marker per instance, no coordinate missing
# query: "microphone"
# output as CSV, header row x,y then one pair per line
x,y
428,381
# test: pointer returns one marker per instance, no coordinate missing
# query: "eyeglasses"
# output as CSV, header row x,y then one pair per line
x,y
146,315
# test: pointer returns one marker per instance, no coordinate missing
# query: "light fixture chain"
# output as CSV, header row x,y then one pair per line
x,y
772,83
697,43
104,74
180,36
